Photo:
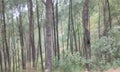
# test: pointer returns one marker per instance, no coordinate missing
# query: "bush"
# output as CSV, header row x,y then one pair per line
x,y
70,62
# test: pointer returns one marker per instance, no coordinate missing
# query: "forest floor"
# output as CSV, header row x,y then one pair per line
x,y
113,70
109,70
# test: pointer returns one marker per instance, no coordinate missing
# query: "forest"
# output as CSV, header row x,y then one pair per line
x,y
59,35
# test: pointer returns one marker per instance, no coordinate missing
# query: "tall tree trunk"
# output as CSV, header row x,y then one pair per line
x,y
71,30
79,42
99,23
5,37
57,35
48,35
21,34
48,5
5,57
68,34
54,30
85,19
1,68
14,44
31,29
105,19
39,32
28,65
110,24
109,13
72,25
4,51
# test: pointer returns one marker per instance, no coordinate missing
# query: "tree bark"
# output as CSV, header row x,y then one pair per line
x,y
21,34
1,68
5,37
71,30
31,34
99,23
72,25
54,30
105,18
48,35
39,32
109,13
85,20
57,35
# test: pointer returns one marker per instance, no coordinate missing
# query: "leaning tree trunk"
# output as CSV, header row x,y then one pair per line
x,y
85,19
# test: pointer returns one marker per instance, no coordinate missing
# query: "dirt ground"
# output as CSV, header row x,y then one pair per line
x,y
113,70
110,70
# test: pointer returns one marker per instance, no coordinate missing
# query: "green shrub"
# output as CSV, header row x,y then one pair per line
x,y
70,62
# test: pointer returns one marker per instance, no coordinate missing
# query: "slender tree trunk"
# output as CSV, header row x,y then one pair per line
x,y
105,19
110,24
71,30
22,40
54,30
62,38
57,37
79,42
39,30
14,44
5,61
72,22
4,52
44,31
31,29
16,51
99,23
1,50
85,19
109,12
5,37
28,64
1,68
68,34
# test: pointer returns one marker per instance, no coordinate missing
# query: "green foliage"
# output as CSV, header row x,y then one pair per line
x,y
106,46
103,45
70,62
16,3
115,33
116,63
